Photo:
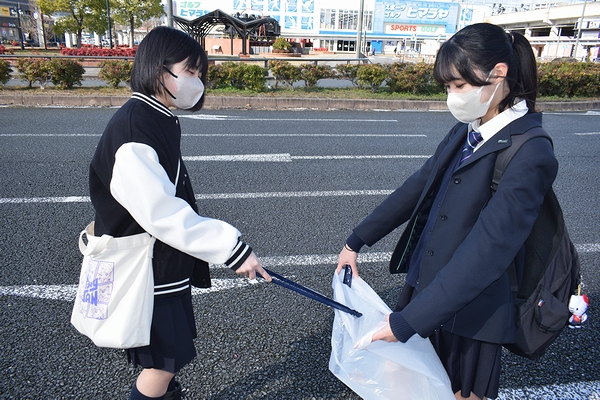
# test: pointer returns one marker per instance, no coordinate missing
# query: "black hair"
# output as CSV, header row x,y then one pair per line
x,y
477,48
162,48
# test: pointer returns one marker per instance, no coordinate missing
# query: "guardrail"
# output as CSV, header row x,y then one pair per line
x,y
265,60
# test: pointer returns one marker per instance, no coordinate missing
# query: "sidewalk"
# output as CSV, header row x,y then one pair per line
x,y
271,103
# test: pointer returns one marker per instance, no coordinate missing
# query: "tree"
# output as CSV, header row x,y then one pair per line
x,y
134,12
75,15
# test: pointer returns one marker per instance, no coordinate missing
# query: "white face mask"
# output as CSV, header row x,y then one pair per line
x,y
189,91
467,107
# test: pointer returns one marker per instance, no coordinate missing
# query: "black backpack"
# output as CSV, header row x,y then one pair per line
x,y
551,271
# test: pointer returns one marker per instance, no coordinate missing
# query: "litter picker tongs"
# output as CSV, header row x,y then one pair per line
x,y
288,284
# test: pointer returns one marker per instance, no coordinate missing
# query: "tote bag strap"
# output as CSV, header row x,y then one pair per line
x,y
96,247
100,244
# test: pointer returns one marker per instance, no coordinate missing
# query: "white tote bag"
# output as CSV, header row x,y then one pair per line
x,y
115,297
381,370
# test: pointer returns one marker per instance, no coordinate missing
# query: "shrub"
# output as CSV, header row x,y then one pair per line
x,y
5,71
311,73
114,72
371,75
238,75
66,73
282,46
33,70
285,72
412,78
569,79
215,77
254,77
3,50
348,71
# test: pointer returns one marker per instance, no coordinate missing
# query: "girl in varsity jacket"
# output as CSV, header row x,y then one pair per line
x,y
138,183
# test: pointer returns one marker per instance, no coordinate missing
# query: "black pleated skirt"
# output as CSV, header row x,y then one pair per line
x,y
472,365
172,335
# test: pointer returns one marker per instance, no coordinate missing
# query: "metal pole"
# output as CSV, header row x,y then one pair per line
x,y
109,29
359,28
20,29
44,31
579,31
170,13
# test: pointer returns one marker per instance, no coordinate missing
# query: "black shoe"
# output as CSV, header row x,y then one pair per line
x,y
175,394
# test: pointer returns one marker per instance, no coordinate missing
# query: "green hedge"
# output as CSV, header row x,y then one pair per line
x,y
556,79
569,79
114,72
240,76
63,73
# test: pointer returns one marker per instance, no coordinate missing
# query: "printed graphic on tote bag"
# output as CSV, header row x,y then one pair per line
x,y
95,293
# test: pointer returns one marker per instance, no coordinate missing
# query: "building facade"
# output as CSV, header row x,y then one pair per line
x,y
557,30
418,26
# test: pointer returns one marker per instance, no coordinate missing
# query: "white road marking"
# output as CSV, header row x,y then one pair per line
x,y
67,292
210,196
286,157
347,135
262,195
50,134
24,200
392,135
239,118
576,390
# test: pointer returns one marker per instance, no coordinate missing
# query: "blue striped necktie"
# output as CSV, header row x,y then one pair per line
x,y
473,139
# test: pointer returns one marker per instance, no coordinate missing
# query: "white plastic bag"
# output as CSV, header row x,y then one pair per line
x,y
381,370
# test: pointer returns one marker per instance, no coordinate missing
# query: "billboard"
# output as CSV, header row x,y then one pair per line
x,y
294,16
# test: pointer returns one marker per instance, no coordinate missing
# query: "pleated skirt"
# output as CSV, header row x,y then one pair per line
x,y
172,335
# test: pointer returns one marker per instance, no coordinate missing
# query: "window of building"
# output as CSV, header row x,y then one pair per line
x,y
346,45
368,21
348,20
540,32
327,18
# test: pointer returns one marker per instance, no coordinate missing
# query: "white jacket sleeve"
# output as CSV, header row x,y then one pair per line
x,y
141,185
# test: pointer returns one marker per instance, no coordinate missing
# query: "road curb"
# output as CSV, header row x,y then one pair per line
x,y
273,103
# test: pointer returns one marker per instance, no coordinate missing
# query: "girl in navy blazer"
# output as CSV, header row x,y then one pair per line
x,y
459,240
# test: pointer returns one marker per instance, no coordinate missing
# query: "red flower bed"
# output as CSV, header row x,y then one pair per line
x,y
89,50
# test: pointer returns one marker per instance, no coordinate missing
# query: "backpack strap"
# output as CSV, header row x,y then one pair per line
x,y
502,161
506,155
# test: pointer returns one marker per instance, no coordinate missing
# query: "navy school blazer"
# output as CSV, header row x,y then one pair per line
x,y
463,284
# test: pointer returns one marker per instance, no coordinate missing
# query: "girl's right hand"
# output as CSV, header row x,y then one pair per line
x,y
348,257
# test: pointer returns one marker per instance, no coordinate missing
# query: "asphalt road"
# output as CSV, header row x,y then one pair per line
x,y
297,184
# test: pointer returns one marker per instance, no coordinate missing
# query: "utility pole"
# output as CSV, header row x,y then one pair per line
x,y
359,28
20,29
574,50
170,13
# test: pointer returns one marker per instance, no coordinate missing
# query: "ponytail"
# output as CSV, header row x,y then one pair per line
x,y
527,80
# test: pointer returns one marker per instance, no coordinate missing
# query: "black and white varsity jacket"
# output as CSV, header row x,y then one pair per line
x,y
132,188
